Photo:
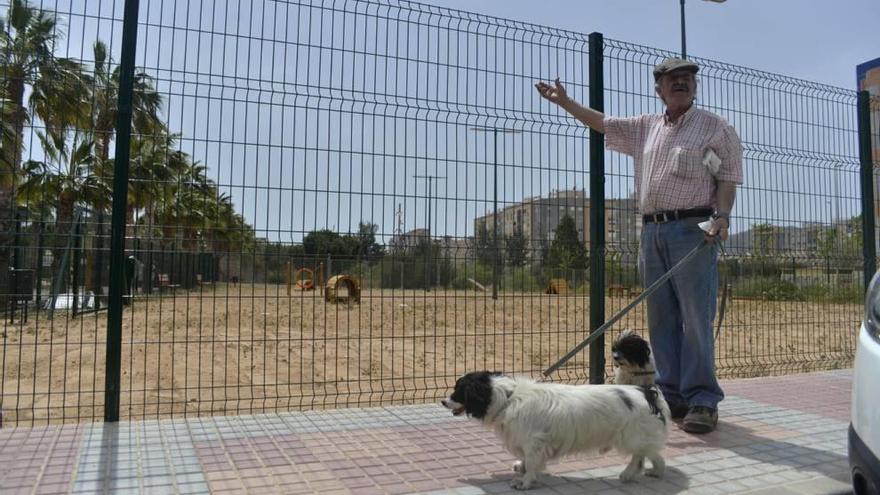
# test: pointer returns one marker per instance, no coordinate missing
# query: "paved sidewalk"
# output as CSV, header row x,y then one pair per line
x,y
777,435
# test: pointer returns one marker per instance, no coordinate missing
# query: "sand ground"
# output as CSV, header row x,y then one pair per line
x,y
254,348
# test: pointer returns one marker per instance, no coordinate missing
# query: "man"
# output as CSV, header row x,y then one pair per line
x,y
687,164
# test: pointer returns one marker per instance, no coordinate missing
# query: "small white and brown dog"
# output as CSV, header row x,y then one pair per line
x,y
632,360
539,422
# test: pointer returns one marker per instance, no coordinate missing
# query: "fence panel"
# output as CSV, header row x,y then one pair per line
x,y
791,271
312,209
377,139
57,101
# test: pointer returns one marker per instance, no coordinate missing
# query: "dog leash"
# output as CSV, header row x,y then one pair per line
x,y
647,292
724,295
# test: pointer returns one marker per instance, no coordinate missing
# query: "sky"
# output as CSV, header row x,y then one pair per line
x,y
816,40
322,114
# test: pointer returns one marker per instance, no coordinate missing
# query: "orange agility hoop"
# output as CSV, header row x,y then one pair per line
x,y
303,282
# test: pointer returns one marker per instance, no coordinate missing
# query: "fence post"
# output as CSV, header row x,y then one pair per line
x,y
76,260
97,266
869,247
597,212
41,225
117,229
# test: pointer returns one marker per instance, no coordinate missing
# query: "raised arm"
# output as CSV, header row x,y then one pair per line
x,y
556,94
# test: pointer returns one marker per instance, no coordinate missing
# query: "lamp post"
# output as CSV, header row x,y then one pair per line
x,y
683,41
495,131
428,257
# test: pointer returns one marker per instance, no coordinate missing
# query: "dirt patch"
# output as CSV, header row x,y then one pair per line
x,y
250,349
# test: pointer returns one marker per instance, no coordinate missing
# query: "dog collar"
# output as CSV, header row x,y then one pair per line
x,y
640,373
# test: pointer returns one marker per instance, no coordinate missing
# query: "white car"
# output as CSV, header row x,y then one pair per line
x,y
864,429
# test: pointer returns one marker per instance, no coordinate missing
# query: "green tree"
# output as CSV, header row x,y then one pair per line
x,y
826,244
424,262
323,242
57,86
230,231
852,246
763,250
153,169
146,102
567,252
56,91
63,179
145,105
516,247
484,247
367,248
7,134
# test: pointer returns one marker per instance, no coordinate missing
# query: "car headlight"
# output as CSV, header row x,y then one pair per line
x,y
872,307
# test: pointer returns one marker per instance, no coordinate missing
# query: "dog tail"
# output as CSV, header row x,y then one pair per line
x,y
653,396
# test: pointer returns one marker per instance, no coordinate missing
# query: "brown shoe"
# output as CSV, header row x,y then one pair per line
x,y
700,419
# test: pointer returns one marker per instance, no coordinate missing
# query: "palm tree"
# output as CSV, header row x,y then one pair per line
x,y
146,102
64,179
7,135
227,230
193,215
175,208
57,93
149,173
57,85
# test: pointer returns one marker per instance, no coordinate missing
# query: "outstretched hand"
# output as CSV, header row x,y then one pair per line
x,y
555,94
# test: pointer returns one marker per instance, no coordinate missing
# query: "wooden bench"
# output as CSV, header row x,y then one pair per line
x,y
165,282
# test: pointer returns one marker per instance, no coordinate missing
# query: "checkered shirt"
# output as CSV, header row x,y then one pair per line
x,y
669,169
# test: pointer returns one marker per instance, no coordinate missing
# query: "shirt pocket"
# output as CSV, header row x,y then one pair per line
x,y
687,163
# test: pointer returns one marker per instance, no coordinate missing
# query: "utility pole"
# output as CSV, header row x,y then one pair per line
x,y
684,54
495,131
428,257
401,241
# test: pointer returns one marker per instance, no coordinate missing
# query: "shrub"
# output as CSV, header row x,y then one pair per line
x,y
521,279
768,288
774,289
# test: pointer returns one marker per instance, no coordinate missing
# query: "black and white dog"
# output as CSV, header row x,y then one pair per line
x,y
539,422
632,360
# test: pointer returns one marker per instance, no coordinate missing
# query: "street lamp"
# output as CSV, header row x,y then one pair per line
x,y
495,131
683,43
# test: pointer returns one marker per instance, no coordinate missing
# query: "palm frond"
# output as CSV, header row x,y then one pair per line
x,y
20,14
61,96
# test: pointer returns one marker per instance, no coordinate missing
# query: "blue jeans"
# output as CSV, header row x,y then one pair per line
x,y
681,311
